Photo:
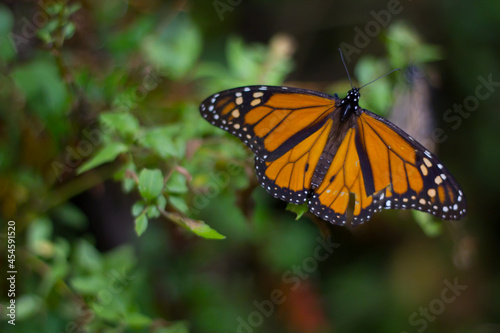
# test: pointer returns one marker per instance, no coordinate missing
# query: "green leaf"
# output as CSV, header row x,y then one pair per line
x,y
122,122
27,306
141,224
69,30
39,237
153,212
7,50
121,43
107,154
106,311
59,267
121,259
179,203
138,208
73,8
54,8
429,225
128,184
161,202
244,62
404,45
150,183
177,183
198,227
176,49
6,21
87,258
203,230
378,96
137,320
161,140
46,93
89,285
297,209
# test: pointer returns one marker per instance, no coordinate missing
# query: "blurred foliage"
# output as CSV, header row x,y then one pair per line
x,y
99,93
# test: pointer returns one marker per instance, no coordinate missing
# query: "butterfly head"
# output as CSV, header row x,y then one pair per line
x,y
350,104
353,95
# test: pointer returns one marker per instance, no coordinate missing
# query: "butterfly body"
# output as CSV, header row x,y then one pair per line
x,y
321,150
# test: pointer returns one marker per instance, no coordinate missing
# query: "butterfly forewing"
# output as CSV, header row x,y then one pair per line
x,y
269,120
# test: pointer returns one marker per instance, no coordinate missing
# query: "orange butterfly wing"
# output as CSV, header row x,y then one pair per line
x,y
385,168
286,128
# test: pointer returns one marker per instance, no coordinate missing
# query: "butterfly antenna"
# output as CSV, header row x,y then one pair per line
x,y
382,76
342,57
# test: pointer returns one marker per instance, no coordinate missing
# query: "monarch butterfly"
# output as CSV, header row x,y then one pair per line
x,y
318,149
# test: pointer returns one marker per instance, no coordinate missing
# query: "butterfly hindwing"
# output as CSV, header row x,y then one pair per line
x,y
288,176
344,176
413,177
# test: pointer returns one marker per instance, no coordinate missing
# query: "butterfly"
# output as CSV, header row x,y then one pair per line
x,y
325,151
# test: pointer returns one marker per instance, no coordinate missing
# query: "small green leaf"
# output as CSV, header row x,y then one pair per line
x,y
88,285
87,257
297,209
122,122
69,30
196,226
107,154
54,9
73,8
179,203
161,202
45,92
27,306
429,225
137,320
177,183
39,237
138,208
150,183
141,224
162,141
203,230
104,310
176,50
153,212
128,184
6,22
7,50
120,259
244,62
